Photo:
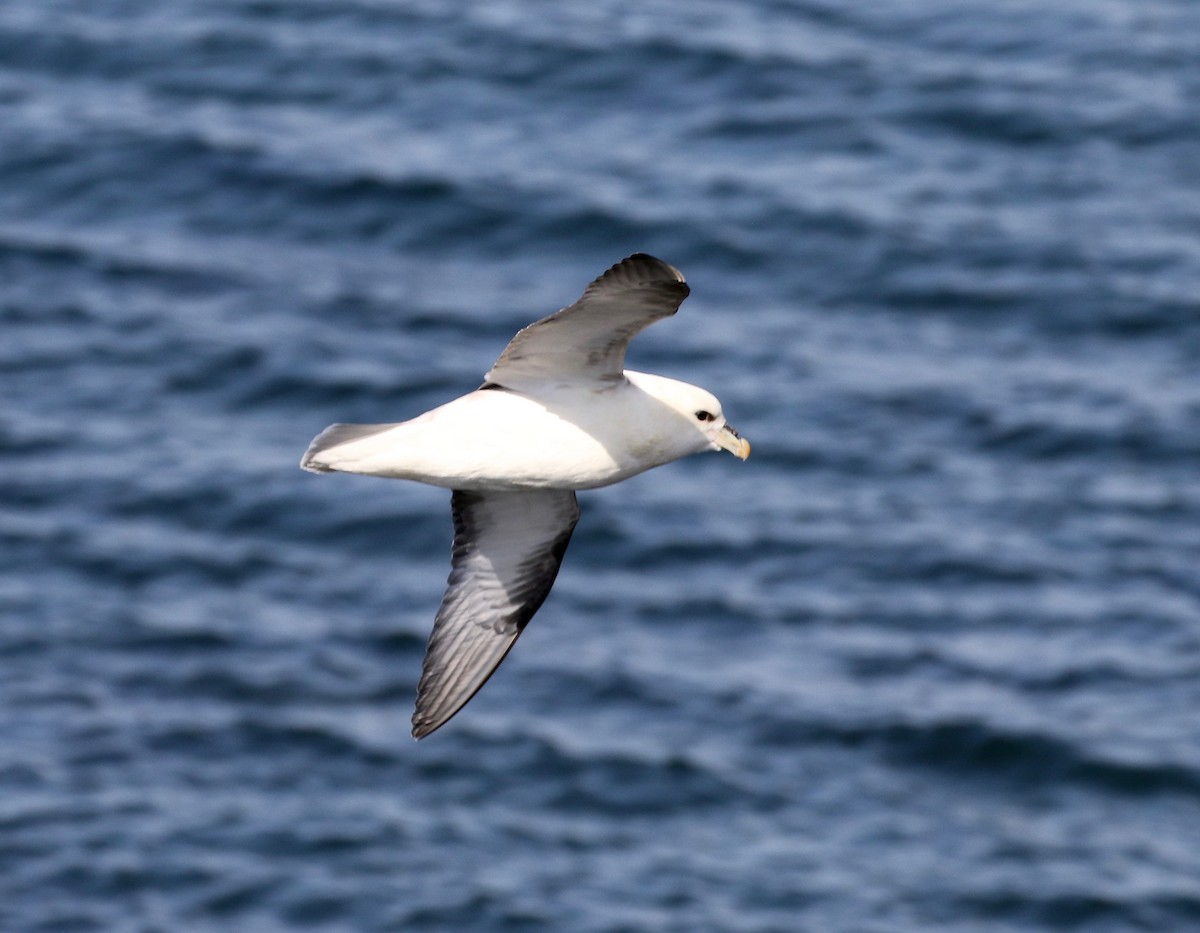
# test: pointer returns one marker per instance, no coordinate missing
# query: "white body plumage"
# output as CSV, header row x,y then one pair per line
x,y
582,437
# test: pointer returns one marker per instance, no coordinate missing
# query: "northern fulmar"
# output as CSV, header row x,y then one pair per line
x,y
558,412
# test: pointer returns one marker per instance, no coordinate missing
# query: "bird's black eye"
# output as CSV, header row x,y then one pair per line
x,y
705,416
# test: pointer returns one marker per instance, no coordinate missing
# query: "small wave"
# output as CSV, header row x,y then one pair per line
x,y
256,736
607,781
26,436
1099,908
972,749
1126,438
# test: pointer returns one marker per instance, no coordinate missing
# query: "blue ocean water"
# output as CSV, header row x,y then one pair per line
x,y
928,661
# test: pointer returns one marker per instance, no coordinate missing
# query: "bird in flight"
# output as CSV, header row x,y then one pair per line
x,y
558,412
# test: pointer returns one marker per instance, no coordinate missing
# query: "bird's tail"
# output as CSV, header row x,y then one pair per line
x,y
317,458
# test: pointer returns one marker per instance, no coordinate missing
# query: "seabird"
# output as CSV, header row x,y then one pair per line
x,y
558,412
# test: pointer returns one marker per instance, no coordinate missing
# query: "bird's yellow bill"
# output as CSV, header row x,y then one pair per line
x,y
729,439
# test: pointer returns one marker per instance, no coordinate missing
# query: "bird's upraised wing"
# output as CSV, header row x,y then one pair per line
x,y
508,546
586,341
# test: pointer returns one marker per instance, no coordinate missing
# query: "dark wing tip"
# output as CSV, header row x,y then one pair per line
x,y
641,270
433,713
645,264
427,726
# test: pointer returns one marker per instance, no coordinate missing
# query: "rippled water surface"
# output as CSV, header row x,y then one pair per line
x,y
927,661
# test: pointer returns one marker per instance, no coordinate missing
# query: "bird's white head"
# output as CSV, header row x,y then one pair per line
x,y
699,424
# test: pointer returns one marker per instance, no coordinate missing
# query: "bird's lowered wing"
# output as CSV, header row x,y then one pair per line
x,y
508,546
586,341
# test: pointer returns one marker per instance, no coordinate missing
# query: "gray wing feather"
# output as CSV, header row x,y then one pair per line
x,y
587,340
508,547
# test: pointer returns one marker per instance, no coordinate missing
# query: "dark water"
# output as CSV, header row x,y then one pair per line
x,y
927,661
